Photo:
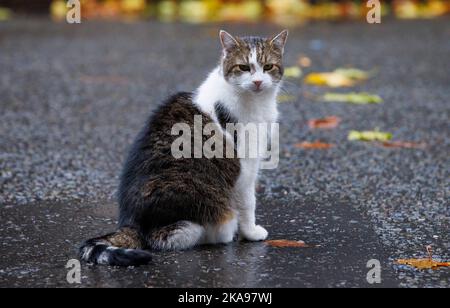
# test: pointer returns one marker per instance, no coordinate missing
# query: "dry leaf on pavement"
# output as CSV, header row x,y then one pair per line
x,y
326,123
370,135
425,263
316,145
286,243
362,98
403,144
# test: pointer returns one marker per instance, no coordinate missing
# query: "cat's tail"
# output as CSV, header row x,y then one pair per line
x,y
121,248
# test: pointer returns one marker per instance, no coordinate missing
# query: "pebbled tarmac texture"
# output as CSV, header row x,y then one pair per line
x,y
73,98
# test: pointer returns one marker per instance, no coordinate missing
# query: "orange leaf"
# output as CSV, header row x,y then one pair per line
x,y
428,263
423,263
403,144
286,243
317,145
327,123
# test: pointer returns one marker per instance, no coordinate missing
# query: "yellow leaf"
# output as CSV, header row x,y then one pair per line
x,y
329,79
374,135
362,98
353,73
292,72
341,77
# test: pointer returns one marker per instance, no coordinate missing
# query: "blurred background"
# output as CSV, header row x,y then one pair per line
x,y
199,11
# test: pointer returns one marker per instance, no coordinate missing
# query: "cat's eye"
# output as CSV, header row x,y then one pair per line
x,y
244,68
268,67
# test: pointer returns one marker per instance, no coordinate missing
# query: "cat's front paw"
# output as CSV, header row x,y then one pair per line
x,y
254,234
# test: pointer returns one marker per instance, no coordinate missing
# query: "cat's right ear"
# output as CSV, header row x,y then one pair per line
x,y
227,40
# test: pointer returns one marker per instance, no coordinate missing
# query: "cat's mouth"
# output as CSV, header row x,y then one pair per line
x,y
257,89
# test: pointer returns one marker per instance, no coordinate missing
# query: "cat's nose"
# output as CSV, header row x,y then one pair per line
x,y
257,83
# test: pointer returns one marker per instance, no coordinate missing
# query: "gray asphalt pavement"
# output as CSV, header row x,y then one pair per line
x,y
74,96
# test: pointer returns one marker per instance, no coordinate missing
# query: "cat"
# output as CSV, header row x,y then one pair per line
x,y
168,203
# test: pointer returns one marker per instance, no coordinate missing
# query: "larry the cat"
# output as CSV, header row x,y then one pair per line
x,y
169,203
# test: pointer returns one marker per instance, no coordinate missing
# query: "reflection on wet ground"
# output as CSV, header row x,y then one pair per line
x,y
38,239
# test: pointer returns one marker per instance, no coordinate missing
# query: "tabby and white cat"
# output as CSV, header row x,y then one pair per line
x,y
173,204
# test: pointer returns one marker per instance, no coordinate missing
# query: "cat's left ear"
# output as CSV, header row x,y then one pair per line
x,y
279,40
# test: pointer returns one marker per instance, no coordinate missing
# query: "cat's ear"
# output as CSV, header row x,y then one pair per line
x,y
279,40
227,40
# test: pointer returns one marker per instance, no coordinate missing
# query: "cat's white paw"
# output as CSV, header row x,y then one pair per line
x,y
255,234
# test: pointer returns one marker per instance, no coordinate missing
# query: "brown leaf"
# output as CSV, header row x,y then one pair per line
x,y
316,145
286,243
403,144
326,123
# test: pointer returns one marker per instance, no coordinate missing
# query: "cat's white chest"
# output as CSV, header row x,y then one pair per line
x,y
257,112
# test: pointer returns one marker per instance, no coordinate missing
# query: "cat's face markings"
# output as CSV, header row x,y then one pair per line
x,y
253,64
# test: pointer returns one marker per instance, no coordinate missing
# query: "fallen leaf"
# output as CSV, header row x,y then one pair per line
x,y
292,72
353,73
329,79
423,263
285,98
326,123
341,77
427,263
403,144
286,243
374,135
362,98
317,145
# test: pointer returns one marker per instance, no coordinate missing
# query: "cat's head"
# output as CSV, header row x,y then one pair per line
x,y
253,64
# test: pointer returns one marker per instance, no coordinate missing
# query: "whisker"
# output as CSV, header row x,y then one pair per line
x,y
285,91
289,83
